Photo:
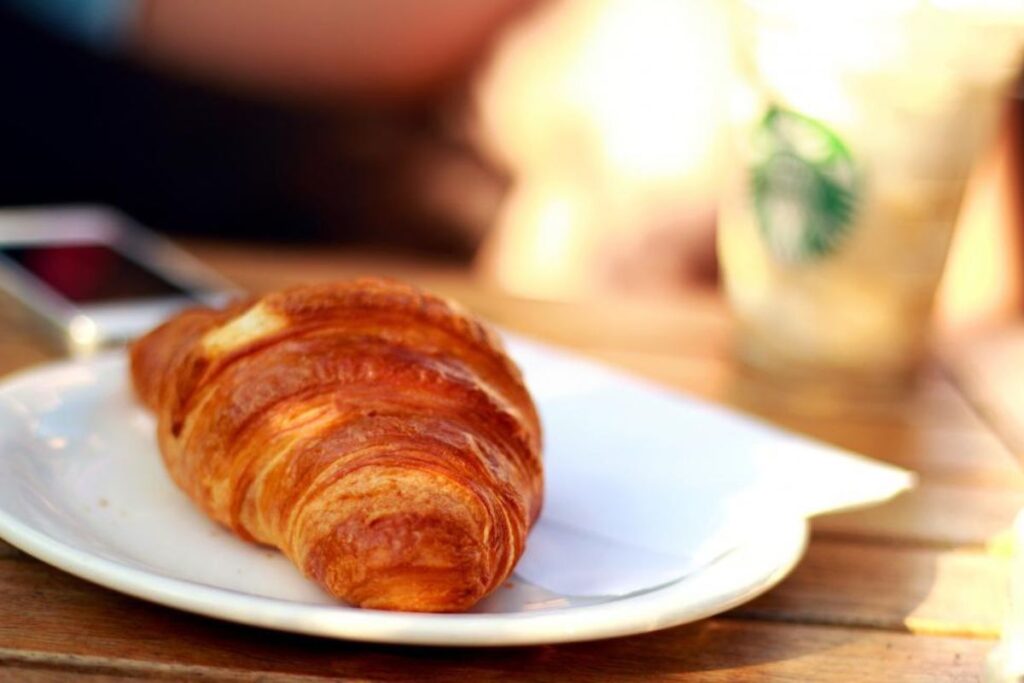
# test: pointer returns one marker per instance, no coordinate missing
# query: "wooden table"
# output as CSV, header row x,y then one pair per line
x,y
910,590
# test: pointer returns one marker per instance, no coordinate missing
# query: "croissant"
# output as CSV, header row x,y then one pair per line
x,y
376,434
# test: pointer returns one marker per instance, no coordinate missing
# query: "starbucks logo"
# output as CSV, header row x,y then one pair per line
x,y
804,185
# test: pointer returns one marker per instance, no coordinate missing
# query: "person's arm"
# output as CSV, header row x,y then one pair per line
x,y
320,49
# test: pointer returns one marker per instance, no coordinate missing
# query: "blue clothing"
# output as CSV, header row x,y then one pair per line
x,y
102,24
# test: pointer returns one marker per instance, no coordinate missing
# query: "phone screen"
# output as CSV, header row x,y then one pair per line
x,y
90,273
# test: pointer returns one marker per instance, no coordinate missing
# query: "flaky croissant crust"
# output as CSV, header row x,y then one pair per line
x,y
376,434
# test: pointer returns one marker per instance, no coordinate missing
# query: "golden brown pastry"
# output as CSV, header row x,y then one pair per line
x,y
376,434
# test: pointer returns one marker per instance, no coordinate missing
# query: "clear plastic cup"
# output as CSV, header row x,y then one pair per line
x,y
856,125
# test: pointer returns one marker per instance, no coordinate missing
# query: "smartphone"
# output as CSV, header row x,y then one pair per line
x,y
97,278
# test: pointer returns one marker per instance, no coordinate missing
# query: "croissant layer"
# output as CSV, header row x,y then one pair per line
x,y
377,435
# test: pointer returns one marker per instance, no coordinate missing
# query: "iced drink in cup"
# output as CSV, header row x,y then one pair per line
x,y
856,126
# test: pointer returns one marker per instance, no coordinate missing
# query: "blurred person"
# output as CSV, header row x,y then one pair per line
x,y
283,119
609,115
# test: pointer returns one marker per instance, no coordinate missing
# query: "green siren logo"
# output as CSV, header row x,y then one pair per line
x,y
804,184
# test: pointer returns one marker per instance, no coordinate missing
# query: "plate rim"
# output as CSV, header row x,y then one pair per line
x,y
761,563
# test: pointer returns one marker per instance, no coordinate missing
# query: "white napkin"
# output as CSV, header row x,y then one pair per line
x,y
644,485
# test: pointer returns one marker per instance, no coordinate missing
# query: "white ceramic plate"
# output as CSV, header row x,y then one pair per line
x,y
82,488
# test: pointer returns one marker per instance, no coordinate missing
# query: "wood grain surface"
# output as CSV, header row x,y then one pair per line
x,y
913,590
